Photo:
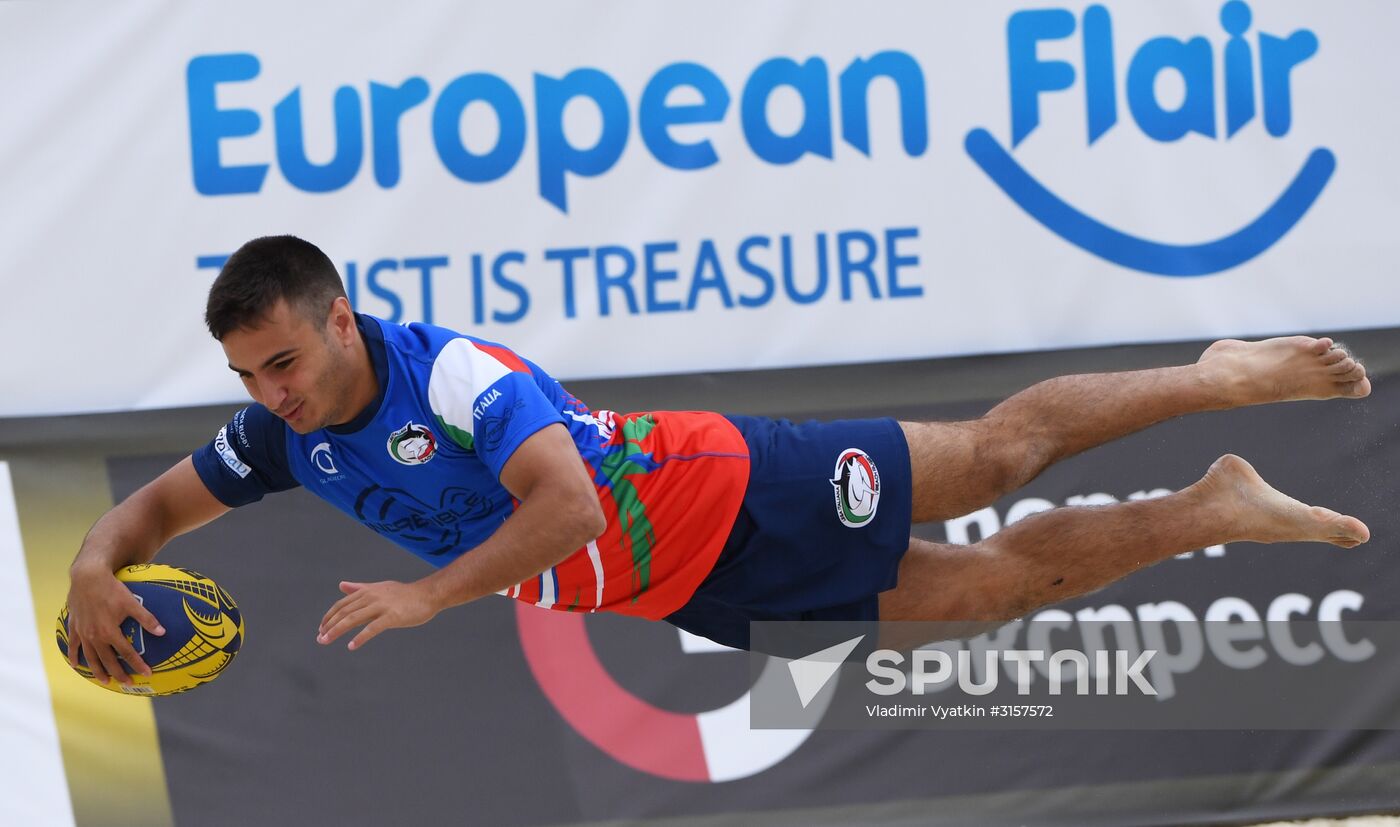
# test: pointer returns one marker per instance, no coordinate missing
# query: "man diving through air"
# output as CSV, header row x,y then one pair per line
x,y
474,459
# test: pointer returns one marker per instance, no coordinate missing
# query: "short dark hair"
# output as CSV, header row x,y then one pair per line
x,y
267,270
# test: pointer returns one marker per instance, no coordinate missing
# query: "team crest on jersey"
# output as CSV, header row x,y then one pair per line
x,y
857,483
413,444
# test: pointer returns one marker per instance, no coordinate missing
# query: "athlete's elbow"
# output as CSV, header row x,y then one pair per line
x,y
581,517
577,516
590,521
573,514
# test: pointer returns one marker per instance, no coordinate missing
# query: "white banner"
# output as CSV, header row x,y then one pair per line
x,y
629,188
33,786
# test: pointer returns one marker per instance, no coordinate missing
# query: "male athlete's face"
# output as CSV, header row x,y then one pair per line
x,y
302,371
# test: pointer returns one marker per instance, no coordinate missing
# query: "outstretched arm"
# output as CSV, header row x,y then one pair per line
x,y
132,532
559,513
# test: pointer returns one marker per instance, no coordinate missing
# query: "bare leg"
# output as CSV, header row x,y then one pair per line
x,y
960,467
1067,552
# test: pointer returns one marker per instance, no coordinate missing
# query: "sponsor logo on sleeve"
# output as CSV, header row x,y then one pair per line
x,y
240,420
229,456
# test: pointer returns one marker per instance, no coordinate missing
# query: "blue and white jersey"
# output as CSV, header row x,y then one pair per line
x,y
420,465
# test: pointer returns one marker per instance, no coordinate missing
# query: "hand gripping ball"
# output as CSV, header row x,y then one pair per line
x,y
203,630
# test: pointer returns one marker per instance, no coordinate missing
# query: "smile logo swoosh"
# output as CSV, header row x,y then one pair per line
x,y
1143,254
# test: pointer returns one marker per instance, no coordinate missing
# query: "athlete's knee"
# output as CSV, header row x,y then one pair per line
x,y
959,467
1013,454
978,582
1005,458
1020,580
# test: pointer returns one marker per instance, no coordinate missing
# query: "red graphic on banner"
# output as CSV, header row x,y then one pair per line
x,y
634,732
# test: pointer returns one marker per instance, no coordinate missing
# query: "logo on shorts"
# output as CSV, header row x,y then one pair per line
x,y
857,483
413,444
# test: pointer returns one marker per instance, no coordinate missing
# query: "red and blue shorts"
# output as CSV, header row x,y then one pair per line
x,y
824,523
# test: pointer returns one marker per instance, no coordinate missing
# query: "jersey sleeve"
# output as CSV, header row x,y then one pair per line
x,y
247,459
486,400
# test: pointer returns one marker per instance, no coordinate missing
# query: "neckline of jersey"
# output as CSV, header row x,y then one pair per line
x,y
373,338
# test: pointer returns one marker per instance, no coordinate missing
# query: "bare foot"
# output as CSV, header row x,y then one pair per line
x,y
1261,514
1285,369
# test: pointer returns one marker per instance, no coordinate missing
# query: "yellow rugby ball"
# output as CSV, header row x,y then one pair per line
x,y
203,630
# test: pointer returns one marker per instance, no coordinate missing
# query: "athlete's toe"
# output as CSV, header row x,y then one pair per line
x,y
1359,389
1333,356
1356,374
